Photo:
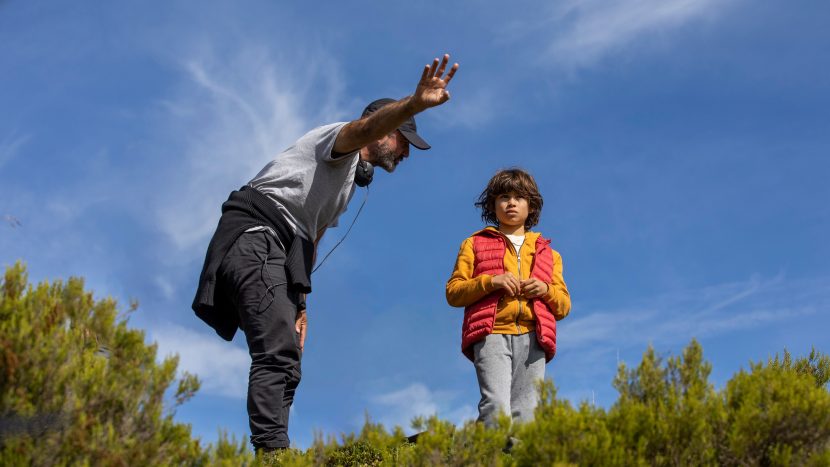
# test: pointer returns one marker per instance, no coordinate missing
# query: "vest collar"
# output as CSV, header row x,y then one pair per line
x,y
490,231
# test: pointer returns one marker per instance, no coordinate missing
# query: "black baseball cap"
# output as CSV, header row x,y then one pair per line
x,y
408,128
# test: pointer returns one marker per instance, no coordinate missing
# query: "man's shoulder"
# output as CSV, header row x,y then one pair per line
x,y
321,141
324,131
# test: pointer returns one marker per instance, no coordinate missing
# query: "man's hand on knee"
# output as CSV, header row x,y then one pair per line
x,y
301,325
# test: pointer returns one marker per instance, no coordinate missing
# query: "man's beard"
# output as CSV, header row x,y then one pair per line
x,y
385,158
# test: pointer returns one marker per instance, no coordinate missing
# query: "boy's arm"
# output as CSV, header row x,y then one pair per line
x,y
557,296
462,288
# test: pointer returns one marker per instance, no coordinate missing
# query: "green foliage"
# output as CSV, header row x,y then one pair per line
x,y
664,413
77,386
80,387
441,443
667,413
564,435
778,413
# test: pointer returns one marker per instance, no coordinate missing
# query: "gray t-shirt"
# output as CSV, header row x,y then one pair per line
x,y
310,187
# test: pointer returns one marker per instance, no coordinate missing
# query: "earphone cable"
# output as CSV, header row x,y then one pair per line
x,y
365,198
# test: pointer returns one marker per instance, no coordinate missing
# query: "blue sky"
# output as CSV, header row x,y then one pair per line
x,y
681,147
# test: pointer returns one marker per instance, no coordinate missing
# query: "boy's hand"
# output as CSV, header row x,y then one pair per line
x,y
533,287
508,282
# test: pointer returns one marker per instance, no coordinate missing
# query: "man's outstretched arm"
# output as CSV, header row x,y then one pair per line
x,y
430,92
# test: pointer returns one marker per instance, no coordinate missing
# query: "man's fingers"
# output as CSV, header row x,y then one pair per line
x,y
433,68
301,322
425,74
451,73
301,325
443,66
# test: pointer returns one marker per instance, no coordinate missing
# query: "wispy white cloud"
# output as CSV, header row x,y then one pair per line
x,y
676,318
405,404
165,286
222,367
592,343
401,406
65,208
10,146
230,116
470,108
577,33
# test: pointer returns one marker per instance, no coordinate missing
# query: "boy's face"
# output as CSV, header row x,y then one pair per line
x,y
511,209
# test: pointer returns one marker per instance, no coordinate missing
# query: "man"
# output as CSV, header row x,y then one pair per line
x,y
257,268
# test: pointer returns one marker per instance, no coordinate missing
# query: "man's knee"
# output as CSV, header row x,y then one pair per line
x,y
285,364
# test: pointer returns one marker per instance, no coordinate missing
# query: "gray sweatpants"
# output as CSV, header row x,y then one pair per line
x,y
508,368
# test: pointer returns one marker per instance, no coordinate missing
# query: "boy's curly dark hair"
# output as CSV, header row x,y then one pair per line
x,y
518,181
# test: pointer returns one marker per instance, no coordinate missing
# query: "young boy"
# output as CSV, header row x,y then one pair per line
x,y
509,282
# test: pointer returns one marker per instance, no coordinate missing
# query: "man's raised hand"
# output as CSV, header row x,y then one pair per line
x,y
432,88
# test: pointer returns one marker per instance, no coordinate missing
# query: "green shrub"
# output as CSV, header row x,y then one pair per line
x,y
562,434
79,387
667,413
778,413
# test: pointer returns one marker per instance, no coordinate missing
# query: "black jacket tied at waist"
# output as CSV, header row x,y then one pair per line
x,y
243,210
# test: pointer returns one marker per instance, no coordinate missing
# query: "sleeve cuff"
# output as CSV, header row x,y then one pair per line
x,y
550,296
486,283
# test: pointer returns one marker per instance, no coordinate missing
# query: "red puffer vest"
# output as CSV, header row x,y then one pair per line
x,y
489,248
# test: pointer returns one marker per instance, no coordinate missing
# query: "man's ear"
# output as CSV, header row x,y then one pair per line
x,y
371,150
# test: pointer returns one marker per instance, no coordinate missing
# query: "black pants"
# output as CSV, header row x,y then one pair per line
x,y
253,274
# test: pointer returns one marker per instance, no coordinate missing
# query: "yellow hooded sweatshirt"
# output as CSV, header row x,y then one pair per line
x,y
513,315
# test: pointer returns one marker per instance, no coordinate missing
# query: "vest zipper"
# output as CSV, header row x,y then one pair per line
x,y
519,261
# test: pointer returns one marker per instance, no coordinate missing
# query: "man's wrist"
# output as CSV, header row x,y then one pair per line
x,y
411,107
